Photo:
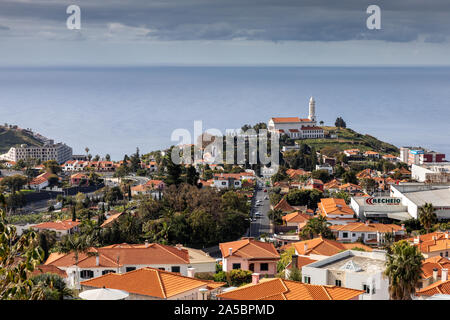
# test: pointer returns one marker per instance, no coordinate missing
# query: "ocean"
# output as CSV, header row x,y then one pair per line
x,y
115,110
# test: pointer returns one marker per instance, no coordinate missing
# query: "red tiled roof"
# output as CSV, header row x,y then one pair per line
x,y
439,287
323,247
40,178
280,289
249,249
150,282
58,225
284,206
123,254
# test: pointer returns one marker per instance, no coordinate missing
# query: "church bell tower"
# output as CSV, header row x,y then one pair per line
x,y
312,109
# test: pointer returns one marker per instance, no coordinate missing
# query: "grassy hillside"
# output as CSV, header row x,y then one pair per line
x,y
13,137
348,139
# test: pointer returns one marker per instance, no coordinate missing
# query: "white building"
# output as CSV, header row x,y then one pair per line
x,y
326,167
297,128
369,233
438,172
352,269
121,258
379,207
50,151
415,195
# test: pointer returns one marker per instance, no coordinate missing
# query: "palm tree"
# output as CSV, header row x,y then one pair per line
x,y
54,287
427,216
77,244
404,269
317,227
389,239
87,150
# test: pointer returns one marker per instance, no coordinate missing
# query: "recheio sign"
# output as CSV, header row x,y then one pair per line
x,y
382,200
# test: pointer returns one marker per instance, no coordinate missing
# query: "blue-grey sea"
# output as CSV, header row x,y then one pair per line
x,y
115,110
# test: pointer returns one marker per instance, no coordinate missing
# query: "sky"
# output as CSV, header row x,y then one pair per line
x,y
224,32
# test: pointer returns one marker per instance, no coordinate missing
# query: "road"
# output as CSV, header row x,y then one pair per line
x,y
262,224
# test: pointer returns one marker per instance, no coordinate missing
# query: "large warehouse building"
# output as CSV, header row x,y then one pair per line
x,y
415,195
404,202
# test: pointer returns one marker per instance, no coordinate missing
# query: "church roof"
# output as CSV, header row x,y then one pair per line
x,y
290,120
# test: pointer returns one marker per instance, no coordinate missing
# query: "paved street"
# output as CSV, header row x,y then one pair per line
x,y
262,224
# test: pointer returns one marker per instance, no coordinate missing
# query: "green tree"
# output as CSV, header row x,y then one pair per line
x,y
404,269
427,216
52,166
18,258
340,123
295,275
317,227
173,171
350,177
321,175
192,176
54,287
14,182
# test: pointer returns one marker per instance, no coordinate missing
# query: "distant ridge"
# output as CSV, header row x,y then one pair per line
x,y
11,136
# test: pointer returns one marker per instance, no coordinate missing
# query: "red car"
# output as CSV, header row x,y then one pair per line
x,y
265,190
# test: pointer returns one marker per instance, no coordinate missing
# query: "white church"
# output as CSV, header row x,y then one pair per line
x,y
298,128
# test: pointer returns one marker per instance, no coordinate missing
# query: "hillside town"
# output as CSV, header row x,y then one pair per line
x,y
344,216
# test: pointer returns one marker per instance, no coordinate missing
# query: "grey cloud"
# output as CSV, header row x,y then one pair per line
x,y
270,20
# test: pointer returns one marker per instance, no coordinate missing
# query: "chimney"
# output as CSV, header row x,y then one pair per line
x,y
444,274
435,274
294,261
178,246
255,278
97,261
230,251
446,235
191,272
305,247
146,243
403,226
416,240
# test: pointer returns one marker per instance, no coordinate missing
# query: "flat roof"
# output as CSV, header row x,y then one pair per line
x,y
438,197
366,264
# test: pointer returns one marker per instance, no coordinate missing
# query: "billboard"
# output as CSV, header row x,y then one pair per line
x,y
372,201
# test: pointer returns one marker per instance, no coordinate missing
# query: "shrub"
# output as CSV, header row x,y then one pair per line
x,y
239,277
204,275
220,276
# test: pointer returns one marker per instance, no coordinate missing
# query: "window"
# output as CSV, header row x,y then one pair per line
x,y
107,271
176,269
251,267
86,274
344,234
236,265
307,279
128,269
338,283
366,288
353,234
162,269
264,267
446,253
224,183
